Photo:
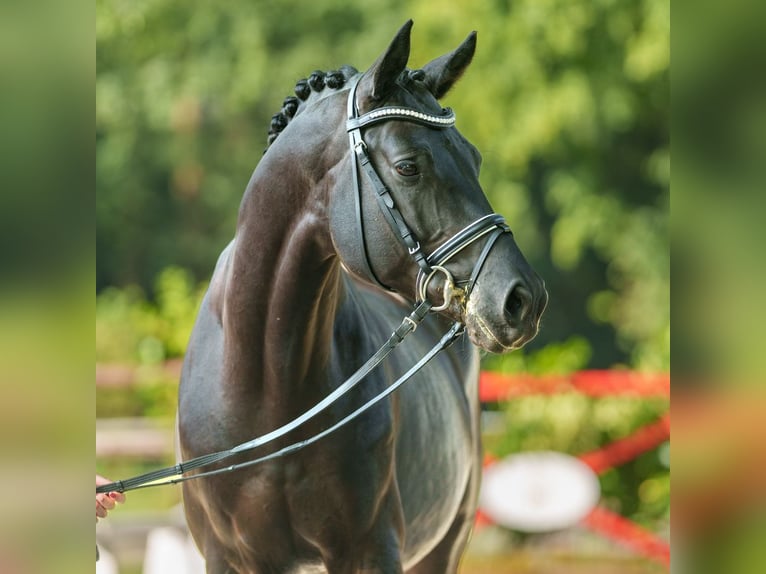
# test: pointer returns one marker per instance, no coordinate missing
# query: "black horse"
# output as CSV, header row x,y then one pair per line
x,y
366,199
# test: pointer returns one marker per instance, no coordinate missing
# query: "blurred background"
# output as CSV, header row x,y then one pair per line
x,y
569,104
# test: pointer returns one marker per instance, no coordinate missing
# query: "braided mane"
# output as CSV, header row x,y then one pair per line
x,y
304,90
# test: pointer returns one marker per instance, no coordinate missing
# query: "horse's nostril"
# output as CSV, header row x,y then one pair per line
x,y
517,303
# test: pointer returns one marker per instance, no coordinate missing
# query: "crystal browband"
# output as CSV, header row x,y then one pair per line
x,y
447,119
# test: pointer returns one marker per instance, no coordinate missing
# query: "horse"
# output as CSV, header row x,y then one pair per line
x,y
366,200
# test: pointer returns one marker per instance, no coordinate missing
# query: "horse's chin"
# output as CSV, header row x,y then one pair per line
x,y
486,339
495,336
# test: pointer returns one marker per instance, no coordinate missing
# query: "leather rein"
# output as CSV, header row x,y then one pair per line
x,y
429,266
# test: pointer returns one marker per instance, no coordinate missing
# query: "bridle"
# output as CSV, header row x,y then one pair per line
x,y
491,225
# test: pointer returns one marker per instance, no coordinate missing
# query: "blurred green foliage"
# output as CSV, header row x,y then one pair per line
x,y
151,395
567,101
131,328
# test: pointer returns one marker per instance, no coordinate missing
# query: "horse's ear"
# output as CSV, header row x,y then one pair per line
x,y
442,73
381,78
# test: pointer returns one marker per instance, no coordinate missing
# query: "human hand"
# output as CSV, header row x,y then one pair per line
x,y
105,501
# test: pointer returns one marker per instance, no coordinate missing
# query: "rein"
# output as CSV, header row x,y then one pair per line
x,y
491,225
174,474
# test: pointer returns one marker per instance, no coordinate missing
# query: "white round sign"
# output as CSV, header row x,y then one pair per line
x,y
538,491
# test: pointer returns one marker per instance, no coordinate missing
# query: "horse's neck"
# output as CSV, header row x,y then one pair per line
x,y
281,287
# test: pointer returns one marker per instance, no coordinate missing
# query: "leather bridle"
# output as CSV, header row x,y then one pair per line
x,y
429,266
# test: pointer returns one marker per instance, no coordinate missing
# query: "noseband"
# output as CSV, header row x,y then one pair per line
x,y
431,265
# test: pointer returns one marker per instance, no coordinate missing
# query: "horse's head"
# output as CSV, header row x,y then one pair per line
x,y
415,219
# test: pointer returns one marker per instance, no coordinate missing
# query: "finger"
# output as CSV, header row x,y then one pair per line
x,y
117,496
105,501
101,512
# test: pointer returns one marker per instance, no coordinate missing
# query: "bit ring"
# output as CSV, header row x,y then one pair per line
x,y
449,290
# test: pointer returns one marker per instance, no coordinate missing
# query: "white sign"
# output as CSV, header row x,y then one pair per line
x,y
539,491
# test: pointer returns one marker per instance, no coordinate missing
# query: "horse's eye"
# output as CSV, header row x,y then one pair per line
x,y
406,168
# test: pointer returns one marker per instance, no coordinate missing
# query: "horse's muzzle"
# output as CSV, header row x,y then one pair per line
x,y
500,324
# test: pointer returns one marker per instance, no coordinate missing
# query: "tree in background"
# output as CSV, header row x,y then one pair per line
x,y
567,101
